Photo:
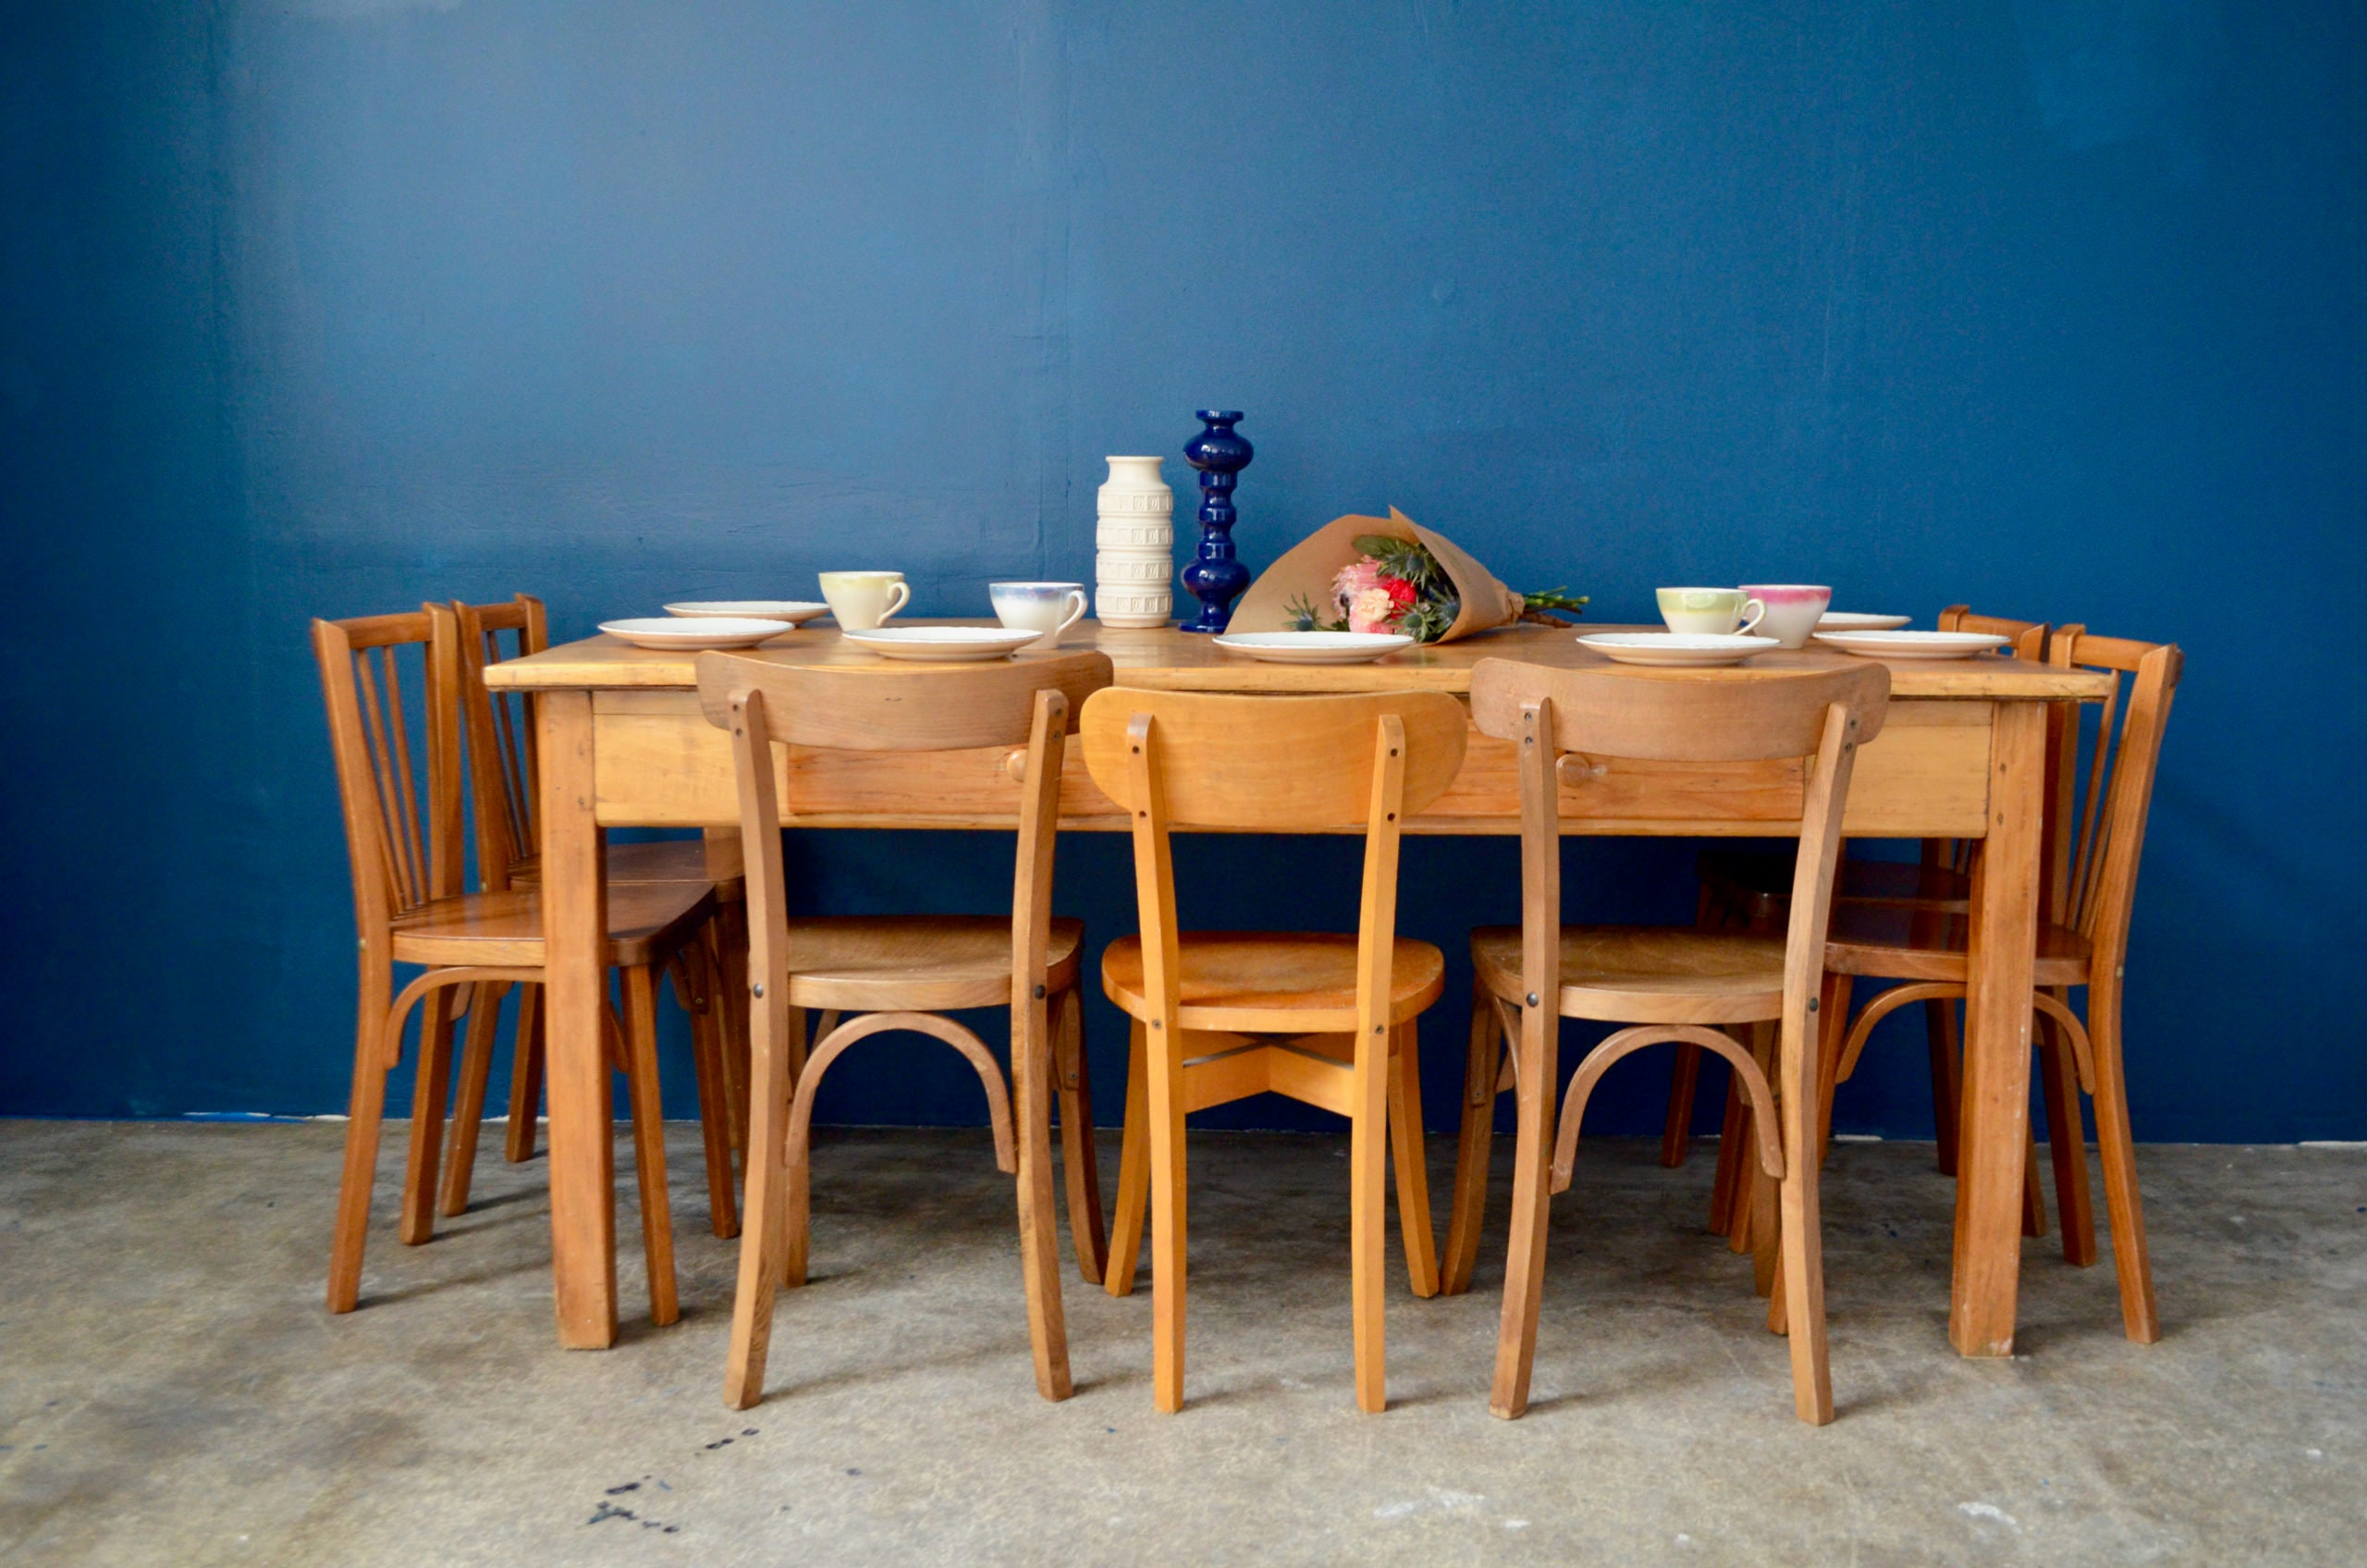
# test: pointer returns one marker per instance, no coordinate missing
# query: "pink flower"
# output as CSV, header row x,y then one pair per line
x,y
1363,577
1372,609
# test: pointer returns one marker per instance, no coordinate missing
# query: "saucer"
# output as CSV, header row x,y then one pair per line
x,y
796,612
1912,644
1314,647
1847,621
1677,650
682,634
942,644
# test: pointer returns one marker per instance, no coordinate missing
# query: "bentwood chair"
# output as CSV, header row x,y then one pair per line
x,y
1749,891
2082,942
1218,1016
1672,984
871,976
403,835
707,974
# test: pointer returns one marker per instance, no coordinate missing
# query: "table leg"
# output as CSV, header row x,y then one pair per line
x,y
1994,1130
576,920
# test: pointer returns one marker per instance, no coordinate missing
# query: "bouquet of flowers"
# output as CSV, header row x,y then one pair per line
x,y
1398,585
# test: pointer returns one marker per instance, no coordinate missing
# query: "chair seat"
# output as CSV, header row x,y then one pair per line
x,y
646,922
1647,974
1898,942
671,860
1274,981
1759,884
916,963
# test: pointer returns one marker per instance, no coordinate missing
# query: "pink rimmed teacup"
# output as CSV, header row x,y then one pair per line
x,y
1793,609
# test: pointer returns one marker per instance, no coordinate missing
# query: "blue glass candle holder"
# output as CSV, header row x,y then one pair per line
x,y
1215,577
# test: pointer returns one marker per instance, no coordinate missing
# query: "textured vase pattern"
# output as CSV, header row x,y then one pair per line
x,y
1134,539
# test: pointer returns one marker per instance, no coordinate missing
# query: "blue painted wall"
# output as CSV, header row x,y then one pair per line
x,y
325,306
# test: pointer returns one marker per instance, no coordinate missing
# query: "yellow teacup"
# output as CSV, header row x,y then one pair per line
x,y
1709,612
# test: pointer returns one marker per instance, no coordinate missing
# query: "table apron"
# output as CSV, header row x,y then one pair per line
x,y
660,764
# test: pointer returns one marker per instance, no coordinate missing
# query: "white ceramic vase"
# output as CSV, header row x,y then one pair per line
x,y
1134,540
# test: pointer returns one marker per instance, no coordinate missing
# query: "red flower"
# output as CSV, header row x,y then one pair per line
x,y
1400,593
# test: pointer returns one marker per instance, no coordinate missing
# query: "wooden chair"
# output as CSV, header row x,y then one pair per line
x,y
1327,1020
709,976
1751,891
881,974
2082,941
409,909
1666,984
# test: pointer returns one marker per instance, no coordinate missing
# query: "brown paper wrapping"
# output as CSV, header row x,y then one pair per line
x,y
1309,567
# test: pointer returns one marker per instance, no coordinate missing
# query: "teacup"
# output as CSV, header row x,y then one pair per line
x,y
1710,612
864,599
1792,610
1049,607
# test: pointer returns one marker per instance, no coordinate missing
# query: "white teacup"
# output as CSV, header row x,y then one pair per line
x,y
1792,610
1049,607
864,599
1710,612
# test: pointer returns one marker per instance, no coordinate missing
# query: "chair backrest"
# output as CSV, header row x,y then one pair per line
x,y
500,730
2028,637
1276,765
1027,702
401,797
2116,789
1681,715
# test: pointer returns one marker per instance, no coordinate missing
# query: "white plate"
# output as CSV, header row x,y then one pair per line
x,y
796,612
682,632
1847,621
1912,644
1677,650
942,644
1314,647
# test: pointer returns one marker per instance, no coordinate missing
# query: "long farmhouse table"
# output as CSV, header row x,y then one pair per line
x,y
623,743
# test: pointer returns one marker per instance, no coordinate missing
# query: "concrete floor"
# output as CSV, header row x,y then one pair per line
x,y
171,1391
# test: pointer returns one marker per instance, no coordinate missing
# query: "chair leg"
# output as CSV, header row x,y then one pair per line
x,y
1763,1199
1725,1184
1410,1150
795,1210
1133,1171
1040,1236
1532,1191
2066,1140
1467,1211
525,1076
1831,1030
1088,1235
1677,1133
727,938
1167,1212
649,1140
2130,1258
468,1110
365,1109
2034,1194
1369,1217
431,1092
763,1234
705,1005
1947,1078
1802,1236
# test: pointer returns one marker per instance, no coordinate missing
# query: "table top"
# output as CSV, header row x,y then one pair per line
x,y
1167,657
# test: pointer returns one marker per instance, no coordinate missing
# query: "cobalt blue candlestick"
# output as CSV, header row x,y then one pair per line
x,y
1215,578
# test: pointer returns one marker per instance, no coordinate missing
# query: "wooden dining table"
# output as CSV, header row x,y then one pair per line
x,y
622,742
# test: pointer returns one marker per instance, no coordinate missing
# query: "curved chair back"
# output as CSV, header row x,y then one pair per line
x,y
500,730
402,821
1680,716
1276,765
2117,793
